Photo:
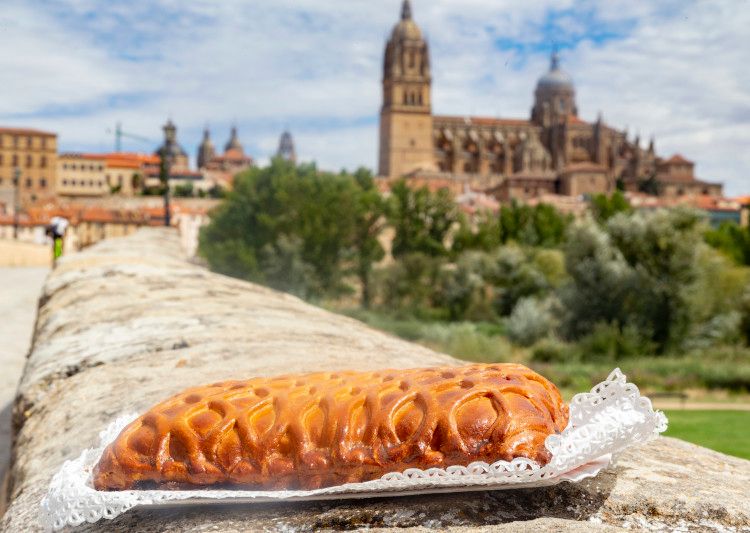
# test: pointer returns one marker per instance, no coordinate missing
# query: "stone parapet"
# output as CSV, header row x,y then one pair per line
x,y
130,321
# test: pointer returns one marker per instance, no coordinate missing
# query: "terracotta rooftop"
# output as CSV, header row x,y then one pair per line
x,y
573,119
678,159
483,121
27,131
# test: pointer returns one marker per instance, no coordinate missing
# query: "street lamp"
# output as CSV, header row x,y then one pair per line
x,y
16,200
168,153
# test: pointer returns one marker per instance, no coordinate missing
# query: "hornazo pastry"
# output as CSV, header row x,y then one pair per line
x,y
315,430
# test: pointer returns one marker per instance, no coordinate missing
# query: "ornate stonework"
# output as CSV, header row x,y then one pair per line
x,y
554,151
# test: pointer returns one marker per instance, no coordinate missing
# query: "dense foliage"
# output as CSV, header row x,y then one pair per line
x,y
296,229
608,287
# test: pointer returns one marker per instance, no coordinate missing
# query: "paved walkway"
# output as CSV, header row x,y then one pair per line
x,y
19,292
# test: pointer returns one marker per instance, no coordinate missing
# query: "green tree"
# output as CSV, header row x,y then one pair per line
x,y
421,219
604,207
370,210
285,211
650,185
183,190
481,232
638,271
540,225
732,240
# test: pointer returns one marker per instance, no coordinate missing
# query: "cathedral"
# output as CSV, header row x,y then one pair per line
x,y
552,152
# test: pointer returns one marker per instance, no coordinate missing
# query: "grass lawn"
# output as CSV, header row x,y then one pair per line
x,y
724,431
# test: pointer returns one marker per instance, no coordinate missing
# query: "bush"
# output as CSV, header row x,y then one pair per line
x,y
608,342
551,350
531,320
639,271
513,277
409,283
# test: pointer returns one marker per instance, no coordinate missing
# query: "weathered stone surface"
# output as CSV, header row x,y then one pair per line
x,y
129,321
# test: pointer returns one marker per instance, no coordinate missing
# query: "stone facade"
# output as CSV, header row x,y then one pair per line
x,y
129,321
81,175
33,154
584,157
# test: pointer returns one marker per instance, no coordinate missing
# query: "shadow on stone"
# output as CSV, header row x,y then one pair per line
x,y
6,441
565,501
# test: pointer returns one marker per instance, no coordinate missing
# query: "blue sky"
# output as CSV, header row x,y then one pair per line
x,y
673,69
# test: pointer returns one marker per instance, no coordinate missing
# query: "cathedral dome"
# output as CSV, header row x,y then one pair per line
x,y
406,29
556,78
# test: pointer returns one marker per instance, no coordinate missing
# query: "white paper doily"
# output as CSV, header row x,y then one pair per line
x,y
603,422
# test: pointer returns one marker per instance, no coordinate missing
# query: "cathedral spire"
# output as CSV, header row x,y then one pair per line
x,y
234,141
554,63
406,10
206,150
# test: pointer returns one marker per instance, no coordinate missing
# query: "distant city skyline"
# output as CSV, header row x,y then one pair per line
x,y
676,71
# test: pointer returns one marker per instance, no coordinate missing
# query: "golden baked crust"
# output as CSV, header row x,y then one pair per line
x,y
314,430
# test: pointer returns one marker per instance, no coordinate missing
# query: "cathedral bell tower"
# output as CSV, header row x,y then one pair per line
x,y
406,115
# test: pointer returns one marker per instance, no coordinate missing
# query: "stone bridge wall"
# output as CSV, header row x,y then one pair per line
x,y
129,321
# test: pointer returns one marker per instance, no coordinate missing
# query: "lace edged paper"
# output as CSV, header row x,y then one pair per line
x,y
603,422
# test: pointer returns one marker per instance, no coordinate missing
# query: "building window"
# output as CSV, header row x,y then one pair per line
x,y
29,161
43,162
1,159
43,182
65,182
15,141
44,142
29,141
28,182
15,160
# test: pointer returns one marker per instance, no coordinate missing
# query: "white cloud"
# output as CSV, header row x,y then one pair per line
x,y
678,71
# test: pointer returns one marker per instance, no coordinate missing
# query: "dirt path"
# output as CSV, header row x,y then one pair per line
x,y
700,406
19,291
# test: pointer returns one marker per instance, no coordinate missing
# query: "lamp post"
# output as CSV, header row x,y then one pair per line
x,y
168,153
166,165
16,200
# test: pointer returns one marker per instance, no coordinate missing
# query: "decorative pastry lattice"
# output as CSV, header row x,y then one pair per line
x,y
603,422
324,429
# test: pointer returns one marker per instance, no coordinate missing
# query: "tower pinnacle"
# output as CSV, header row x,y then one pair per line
x,y
406,10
